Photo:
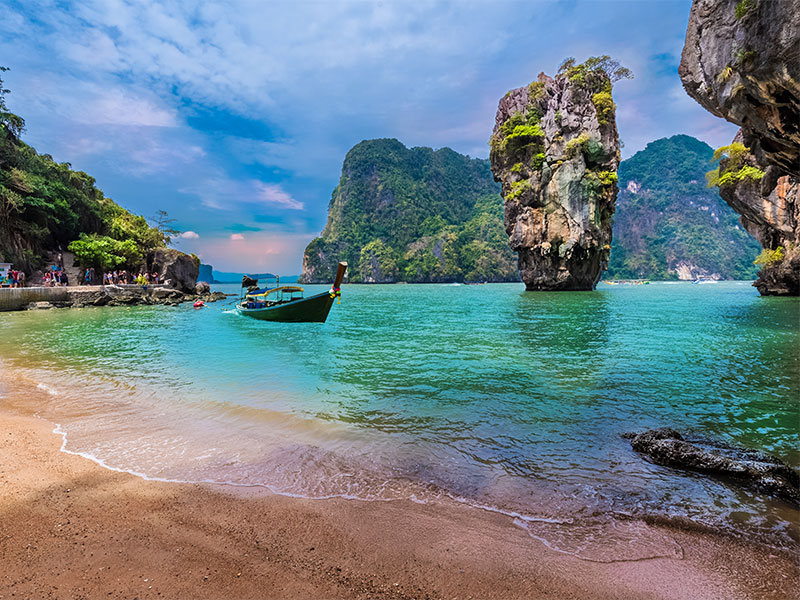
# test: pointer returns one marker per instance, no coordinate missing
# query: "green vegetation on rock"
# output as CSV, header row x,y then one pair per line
x,y
667,222
45,205
413,214
734,168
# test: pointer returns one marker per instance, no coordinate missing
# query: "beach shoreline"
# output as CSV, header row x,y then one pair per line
x,y
71,529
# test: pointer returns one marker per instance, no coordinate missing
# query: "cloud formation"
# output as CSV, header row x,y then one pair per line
x,y
230,113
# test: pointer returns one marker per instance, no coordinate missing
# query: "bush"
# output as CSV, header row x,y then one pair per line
x,y
770,257
518,188
743,7
605,107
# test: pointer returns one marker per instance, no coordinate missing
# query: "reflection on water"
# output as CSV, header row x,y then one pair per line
x,y
483,394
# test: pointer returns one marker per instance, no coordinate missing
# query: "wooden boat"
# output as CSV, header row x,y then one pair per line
x,y
286,304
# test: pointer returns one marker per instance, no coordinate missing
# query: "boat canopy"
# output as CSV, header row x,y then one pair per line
x,y
289,289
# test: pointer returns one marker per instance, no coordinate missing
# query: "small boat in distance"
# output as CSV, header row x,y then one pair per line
x,y
286,304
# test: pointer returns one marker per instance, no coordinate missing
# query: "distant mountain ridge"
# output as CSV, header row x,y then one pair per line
x,y
415,215
419,215
669,225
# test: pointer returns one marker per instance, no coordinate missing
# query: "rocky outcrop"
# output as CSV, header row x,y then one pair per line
x,y
205,273
416,215
667,447
769,205
123,295
555,150
175,267
741,61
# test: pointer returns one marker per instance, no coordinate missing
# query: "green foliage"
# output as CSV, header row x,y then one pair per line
x,y
583,143
44,205
733,169
605,107
536,91
103,252
517,168
725,74
743,7
770,257
746,172
9,122
429,212
607,177
673,218
377,262
596,74
743,56
517,189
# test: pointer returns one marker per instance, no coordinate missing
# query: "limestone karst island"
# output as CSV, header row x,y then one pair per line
x,y
400,300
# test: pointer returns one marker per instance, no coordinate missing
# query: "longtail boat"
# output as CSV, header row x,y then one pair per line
x,y
286,304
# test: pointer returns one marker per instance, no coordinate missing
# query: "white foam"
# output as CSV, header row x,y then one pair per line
x,y
47,389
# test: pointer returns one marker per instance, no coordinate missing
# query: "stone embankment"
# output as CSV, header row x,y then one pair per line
x,y
98,295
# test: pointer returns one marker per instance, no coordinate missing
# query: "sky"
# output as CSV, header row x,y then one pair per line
x,y
235,117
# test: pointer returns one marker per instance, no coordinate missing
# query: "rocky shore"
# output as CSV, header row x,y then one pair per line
x,y
97,295
766,473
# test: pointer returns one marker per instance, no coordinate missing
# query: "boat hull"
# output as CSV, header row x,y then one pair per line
x,y
313,309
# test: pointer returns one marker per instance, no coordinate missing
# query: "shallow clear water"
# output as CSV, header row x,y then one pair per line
x,y
484,394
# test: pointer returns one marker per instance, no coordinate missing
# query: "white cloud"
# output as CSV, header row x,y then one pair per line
x,y
189,235
119,107
236,237
271,193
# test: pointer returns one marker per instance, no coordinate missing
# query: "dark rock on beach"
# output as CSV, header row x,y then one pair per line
x,y
768,474
175,267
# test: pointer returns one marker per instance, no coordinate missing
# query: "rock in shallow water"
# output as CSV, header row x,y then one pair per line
x,y
667,447
555,149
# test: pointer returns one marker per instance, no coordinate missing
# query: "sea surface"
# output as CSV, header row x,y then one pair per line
x,y
482,394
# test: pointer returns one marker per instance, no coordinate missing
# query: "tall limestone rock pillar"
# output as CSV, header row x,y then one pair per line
x,y
555,149
741,61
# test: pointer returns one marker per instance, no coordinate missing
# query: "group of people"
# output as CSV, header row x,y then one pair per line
x,y
55,276
14,279
117,277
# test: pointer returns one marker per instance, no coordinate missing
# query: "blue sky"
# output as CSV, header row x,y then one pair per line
x,y
235,117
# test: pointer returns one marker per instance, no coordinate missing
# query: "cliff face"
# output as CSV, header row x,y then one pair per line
x,y
555,149
412,214
741,61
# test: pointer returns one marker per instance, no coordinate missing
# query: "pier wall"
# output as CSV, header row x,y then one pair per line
x,y
20,298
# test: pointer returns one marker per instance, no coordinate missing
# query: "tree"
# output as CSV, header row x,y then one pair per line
x,y
104,253
12,123
595,64
163,223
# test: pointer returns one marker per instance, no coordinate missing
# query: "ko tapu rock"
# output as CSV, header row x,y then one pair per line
x,y
741,61
555,150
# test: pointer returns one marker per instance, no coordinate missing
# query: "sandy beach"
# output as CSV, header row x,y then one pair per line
x,y
71,529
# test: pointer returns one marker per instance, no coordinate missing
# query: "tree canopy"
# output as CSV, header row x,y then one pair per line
x,y
45,205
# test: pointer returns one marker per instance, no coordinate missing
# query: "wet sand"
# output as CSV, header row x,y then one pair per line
x,y
72,529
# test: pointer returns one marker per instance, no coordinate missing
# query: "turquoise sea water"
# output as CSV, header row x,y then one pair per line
x,y
485,394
